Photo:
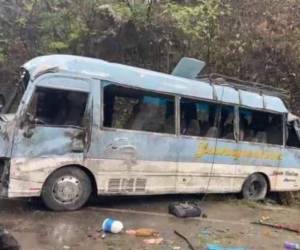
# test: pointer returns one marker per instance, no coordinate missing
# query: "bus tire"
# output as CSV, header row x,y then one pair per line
x,y
66,189
255,187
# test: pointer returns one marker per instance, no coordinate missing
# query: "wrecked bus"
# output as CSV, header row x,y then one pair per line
x,y
88,126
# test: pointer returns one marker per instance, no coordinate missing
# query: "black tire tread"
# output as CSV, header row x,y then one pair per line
x,y
257,177
48,198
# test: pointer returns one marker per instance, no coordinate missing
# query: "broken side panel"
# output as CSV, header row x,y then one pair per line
x,y
51,134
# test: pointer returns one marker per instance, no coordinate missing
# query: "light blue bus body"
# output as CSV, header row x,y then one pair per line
x,y
133,161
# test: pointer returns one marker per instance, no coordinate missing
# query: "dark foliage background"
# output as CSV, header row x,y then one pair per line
x,y
254,40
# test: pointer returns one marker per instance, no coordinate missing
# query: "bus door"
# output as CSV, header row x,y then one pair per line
x,y
50,126
53,115
196,144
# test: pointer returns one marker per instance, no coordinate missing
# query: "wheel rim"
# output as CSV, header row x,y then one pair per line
x,y
255,189
67,189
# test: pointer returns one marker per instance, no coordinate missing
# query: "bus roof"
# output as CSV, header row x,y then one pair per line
x,y
151,80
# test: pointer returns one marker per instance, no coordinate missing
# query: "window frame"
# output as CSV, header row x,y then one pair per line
x,y
102,127
34,91
218,118
265,111
177,99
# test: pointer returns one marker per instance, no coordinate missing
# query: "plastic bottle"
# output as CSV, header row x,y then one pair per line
x,y
291,246
112,226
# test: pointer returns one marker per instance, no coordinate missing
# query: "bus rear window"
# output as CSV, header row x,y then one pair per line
x,y
133,109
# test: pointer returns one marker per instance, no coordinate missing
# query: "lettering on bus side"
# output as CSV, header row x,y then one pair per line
x,y
204,149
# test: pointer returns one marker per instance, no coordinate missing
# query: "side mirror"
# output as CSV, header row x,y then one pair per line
x,y
2,102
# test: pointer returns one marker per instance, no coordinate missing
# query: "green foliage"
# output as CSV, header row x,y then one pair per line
x,y
58,47
251,39
197,20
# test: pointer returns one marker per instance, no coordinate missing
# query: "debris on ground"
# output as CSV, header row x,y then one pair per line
x,y
205,232
110,225
154,241
291,246
185,239
95,235
143,232
7,241
220,247
295,229
184,210
264,218
286,198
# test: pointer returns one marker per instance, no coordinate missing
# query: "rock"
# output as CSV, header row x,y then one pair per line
x,y
7,241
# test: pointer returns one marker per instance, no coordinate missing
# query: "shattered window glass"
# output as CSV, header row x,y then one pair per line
x,y
128,108
58,107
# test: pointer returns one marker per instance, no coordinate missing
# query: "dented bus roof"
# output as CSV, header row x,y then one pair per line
x,y
138,77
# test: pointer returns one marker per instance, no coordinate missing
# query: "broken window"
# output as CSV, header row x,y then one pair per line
x,y
292,134
258,126
58,107
128,108
201,118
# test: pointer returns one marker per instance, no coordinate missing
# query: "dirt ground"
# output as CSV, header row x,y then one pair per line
x,y
228,223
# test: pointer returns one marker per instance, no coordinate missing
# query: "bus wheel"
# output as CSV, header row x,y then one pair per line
x,y
255,187
66,189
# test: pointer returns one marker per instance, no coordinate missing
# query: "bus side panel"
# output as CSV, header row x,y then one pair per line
x,y
288,176
133,162
195,164
258,158
224,168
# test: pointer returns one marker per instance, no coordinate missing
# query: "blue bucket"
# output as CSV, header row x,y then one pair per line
x,y
110,225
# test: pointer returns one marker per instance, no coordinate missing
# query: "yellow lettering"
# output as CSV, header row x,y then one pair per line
x,y
205,149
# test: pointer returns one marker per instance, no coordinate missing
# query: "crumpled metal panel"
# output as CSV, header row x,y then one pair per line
x,y
45,141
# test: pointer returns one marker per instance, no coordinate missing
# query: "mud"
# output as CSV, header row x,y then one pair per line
x,y
228,223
